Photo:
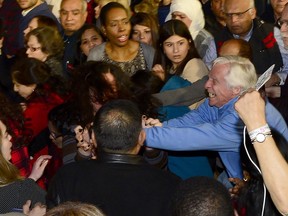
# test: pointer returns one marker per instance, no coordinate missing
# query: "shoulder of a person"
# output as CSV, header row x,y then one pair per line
x,y
147,47
195,61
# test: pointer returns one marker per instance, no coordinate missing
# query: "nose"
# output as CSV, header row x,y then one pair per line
x,y
284,27
26,31
175,48
234,18
141,35
208,83
28,51
69,16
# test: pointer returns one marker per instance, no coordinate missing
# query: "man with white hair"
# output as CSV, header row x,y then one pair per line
x,y
190,12
215,125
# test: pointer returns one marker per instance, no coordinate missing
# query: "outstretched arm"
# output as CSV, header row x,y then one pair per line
x,y
251,109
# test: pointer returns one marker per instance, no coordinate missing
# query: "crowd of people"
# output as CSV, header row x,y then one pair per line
x,y
143,107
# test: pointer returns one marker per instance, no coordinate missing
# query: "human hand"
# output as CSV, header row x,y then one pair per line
x,y
273,91
239,183
158,70
37,210
150,122
251,109
274,80
39,167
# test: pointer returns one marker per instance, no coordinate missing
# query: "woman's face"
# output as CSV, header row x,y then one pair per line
x,y
142,34
176,49
23,90
117,27
6,144
33,24
34,49
89,39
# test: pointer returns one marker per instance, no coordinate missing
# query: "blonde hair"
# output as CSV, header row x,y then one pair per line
x,y
75,209
8,172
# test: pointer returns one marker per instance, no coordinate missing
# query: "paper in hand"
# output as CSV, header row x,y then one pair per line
x,y
264,77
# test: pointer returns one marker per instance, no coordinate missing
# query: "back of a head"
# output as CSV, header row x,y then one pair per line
x,y
237,47
117,126
202,196
74,209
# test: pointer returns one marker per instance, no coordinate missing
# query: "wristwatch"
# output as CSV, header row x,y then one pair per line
x,y
261,137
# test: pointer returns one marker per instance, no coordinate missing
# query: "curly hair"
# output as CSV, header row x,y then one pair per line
x,y
91,86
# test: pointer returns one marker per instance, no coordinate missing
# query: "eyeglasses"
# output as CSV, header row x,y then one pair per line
x,y
238,15
282,22
33,49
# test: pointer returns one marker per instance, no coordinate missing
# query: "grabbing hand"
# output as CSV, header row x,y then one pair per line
x,y
37,210
158,70
39,167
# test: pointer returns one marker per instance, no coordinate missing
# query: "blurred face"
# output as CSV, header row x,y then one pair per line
x,y
176,49
89,39
72,16
5,144
217,8
23,90
33,49
183,17
55,136
33,24
284,26
229,48
239,16
142,34
28,4
117,27
278,6
217,87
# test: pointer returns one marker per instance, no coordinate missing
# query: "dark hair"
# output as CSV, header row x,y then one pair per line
x,y
90,86
29,71
252,194
144,85
45,21
117,126
168,29
202,196
81,57
148,20
105,10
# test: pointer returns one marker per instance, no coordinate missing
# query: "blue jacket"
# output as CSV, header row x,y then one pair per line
x,y
42,9
210,128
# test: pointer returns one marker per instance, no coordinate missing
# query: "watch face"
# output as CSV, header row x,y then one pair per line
x,y
260,137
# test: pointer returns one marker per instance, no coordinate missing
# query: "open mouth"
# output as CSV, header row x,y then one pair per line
x,y
211,95
123,38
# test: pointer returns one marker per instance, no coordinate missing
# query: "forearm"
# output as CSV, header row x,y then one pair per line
x,y
275,172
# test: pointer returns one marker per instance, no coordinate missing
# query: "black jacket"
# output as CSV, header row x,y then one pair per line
x,y
117,184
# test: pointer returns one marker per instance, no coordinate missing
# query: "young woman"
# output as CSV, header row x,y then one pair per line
x,y
145,29
90,36
40,91
14,189
179,65
119,50
46,45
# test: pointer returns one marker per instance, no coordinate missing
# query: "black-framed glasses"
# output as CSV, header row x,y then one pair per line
x,y
32,49
238,15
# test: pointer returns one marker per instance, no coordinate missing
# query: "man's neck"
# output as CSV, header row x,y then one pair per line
x,y
25,11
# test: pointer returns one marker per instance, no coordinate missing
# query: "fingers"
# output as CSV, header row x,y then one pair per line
x,y
26,207
153,122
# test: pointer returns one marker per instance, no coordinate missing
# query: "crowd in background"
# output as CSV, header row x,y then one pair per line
x,y
143,107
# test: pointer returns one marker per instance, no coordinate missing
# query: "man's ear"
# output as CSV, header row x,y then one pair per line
x,y
141,138
236,90
253,13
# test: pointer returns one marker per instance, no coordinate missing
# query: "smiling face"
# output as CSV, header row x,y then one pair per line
x,y
89,39
34,49
219,91
5,144
117,27
176,49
